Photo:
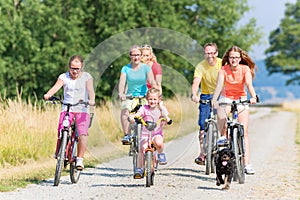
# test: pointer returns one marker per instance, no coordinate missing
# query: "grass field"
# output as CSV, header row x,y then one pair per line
x,y
29,133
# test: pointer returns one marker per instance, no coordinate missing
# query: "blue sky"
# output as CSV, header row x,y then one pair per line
x,y
268,14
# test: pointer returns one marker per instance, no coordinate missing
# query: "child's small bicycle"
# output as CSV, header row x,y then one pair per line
x,y
150,153
68,144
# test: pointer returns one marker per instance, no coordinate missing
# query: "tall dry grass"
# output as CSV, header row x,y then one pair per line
x,y
294,106
26,132
29,130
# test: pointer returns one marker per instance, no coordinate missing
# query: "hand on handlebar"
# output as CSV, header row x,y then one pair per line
x,y
47,96
122,97
195,98
91,102
214,104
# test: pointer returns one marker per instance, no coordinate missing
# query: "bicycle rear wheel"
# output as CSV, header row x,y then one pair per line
x,y
239,158
149,167
60,158
74,173
209,144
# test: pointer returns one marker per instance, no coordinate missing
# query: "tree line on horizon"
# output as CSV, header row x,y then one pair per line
x,y
38,37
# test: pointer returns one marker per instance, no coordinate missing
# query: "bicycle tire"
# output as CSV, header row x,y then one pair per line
x,y
209,144
60,158
136,145
214,148
148,167
138,136
134,160
74,173
239,159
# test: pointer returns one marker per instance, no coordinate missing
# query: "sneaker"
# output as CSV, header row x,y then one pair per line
x,y
79,163
200,160
162,160
249,170
126,140
139,173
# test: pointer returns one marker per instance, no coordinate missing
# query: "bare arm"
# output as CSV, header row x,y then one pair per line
x,y
158,79
151,80
248,82
122,86
195,87
91,91
219,86
59,83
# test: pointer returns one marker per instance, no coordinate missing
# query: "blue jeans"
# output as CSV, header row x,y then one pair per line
x,y
204,110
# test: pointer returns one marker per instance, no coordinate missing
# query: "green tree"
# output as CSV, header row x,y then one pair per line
x,y
35,47
38,37
284,51
204,21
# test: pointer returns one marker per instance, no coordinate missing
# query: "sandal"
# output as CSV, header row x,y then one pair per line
x,y
200,160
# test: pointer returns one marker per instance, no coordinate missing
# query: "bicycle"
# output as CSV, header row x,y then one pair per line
x,y
235,131
210,139
150,153
68,144
135,131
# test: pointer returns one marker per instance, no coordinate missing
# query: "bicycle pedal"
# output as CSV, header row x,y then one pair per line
x,y
126,143
66,162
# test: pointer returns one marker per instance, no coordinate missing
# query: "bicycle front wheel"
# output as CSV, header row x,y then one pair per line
x,y
149,167
74,173
209,144
60,158
239,157
134,160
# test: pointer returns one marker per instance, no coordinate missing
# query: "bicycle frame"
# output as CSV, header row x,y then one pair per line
x,y
68,145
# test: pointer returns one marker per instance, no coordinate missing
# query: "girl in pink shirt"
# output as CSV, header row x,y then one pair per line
x,y
237,72
152,112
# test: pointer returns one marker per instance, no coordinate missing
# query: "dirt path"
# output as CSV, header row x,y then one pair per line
x,y
273,155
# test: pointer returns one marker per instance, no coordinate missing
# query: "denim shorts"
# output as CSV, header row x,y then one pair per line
x,y
204,110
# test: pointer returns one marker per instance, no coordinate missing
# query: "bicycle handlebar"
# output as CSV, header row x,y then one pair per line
x,y
54,98
150,124
130,97
206,101
239,101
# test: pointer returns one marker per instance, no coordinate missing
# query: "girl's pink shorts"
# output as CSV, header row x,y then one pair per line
x,y
82,122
